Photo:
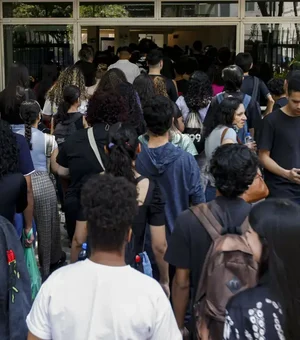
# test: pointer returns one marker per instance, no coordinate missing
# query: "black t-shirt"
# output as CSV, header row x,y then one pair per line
x,y
281,102
182,86
190,242
280,135
13,198
89,72
12,116
248,86
171,89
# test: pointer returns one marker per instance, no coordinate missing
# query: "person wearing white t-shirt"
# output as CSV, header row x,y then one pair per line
x,y
131,70
101,297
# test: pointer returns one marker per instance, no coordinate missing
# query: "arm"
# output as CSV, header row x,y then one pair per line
x,y
196,192
264,91
270,104
159,247
32,337
79,238
28,212
180,294
63,172
22,198
54,166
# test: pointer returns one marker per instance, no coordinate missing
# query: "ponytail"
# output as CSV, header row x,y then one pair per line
x,y
62,112
28,134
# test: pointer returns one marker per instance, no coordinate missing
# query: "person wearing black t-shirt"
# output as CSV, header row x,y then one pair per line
x,y
279,146
277,89
190,242
155,63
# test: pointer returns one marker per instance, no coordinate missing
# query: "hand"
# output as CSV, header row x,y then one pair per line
x,y
252,146
185,333
28,242
294,175
166,288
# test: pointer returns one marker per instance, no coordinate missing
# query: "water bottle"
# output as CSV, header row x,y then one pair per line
x,y
83,253
248,139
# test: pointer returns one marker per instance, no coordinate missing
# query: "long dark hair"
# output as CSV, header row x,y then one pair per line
x,y
224,115
9,161
111,79
122,145
277,223
49,76
29,112
18,82
71,94
144,86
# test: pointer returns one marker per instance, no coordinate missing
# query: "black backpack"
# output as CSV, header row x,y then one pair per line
x,y
66,128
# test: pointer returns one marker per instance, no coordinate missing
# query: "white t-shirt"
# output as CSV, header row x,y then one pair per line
x,y
131,70
50,110
180,102
89,301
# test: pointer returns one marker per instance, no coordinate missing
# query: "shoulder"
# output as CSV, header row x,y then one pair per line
x,y
273,116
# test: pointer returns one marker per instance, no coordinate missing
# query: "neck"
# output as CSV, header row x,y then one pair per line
x,y
154,71
288,112
112,259
123,58
73,108
246,74
36,124
157,141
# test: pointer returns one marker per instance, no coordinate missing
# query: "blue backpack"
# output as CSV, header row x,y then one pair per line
x,y
246,101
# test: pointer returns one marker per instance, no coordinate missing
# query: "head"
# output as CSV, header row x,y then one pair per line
x,y
155,59
110,204
233,167
244,61
158,114
144,86
30,112
9,160
124,53
181,65
199,91
191,66
106,107
122,148
276,221
224,56
233,78
71,100
160,86
111,79
197,46
86,54
177,118
276,88
146,45
293,89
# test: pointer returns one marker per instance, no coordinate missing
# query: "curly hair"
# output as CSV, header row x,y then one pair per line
x,y
276,86
9,160
106,107
144,86
70,76
29,112
233,167
199,93
111,79
160,86
110,204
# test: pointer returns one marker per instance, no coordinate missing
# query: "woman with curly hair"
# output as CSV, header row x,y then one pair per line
x,y
77,159
45,200
70,76
13,185
144,86
111,79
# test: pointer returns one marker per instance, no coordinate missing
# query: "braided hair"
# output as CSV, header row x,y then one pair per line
x,y
29,112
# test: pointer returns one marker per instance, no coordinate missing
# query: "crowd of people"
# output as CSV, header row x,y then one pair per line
x,y
183,194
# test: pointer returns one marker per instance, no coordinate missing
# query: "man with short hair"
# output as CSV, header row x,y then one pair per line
x,y
86,65
276,87
279,145
253,86
175,170
190,241
131,70
101,297
155,62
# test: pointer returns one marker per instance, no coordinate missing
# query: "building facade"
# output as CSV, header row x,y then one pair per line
x,y
36,31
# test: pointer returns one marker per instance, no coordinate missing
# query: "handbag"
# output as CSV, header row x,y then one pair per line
x,y
257,191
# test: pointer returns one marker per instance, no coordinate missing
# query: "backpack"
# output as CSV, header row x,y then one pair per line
x,y
66,128
229,268
194,129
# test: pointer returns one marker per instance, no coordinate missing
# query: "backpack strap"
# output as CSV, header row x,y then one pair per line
x,y
246,101
27,95
223,135
255,88
208,220
220,97
94,146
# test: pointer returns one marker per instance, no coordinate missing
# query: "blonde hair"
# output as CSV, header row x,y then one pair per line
x,y
160,86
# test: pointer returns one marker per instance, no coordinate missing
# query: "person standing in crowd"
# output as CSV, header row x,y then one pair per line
x,y
155,63
277,89
230,118
233,79
86,65
145,46
271,309
144,87
117,301
190,242
180,71
253,86
122,147
76,158
16,91
279,146
70,76
130,70
45,201
49,76
111,80
13,186
175,170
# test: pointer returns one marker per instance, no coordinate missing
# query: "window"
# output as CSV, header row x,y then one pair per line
x,y
272,8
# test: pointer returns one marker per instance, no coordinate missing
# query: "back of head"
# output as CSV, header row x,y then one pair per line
x,y
233,78
122,149
192,65
244,61
277,223
154,57
110,204
144,86
146,45
71,96
294,82
158,114
224,56
86,54
124,52
111,79
276,86
197,45
233,167
181,65
160,86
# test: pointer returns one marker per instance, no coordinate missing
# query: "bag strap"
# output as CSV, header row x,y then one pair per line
x,y
49,143
208,220
246,101
93,145
255,88
223,135
220,97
